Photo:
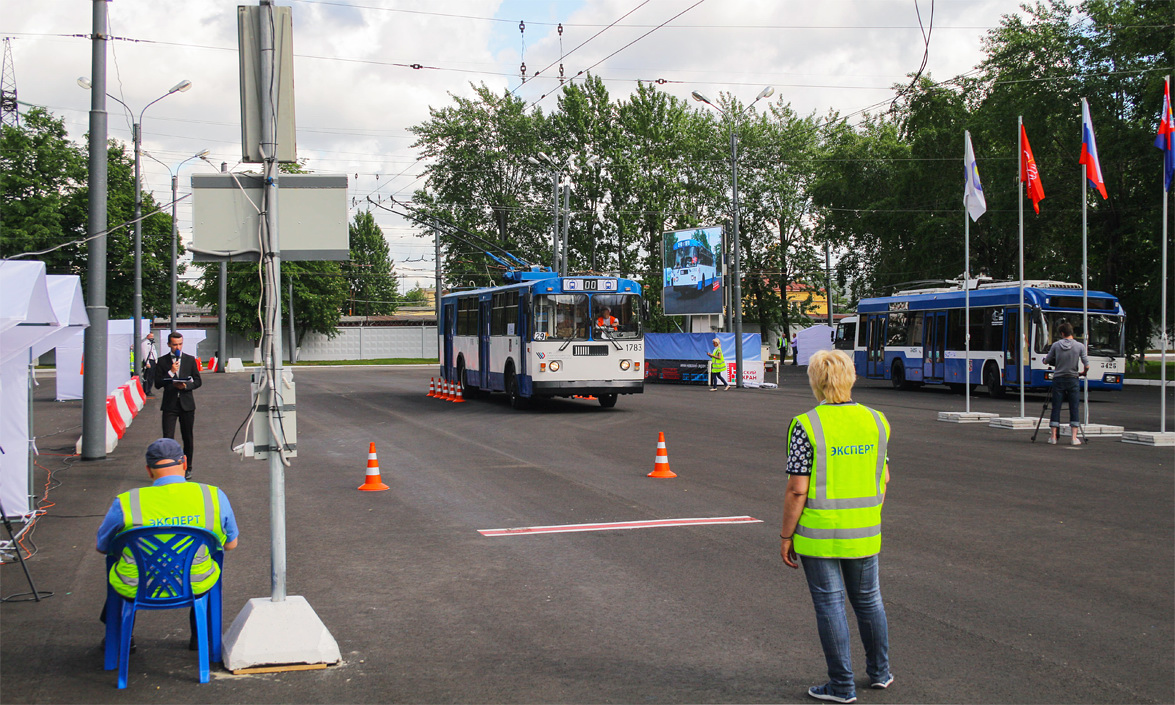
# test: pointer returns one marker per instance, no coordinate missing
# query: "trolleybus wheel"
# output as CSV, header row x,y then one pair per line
x,y
897,376
991,379
517,401
607,400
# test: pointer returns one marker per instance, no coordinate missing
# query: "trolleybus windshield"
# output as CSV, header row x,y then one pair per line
x,y
1105,332
625,308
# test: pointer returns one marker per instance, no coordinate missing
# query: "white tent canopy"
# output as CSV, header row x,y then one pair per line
x,y
811,339
27,316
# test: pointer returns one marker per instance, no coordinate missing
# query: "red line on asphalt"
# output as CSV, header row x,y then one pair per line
x,y
612,526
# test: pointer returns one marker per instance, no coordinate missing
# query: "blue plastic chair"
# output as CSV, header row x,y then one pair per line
x,y
164,556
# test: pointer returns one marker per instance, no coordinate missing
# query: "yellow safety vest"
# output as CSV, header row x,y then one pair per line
x,y
177,504
842,517
717,361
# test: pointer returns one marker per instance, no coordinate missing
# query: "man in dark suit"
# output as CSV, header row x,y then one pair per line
x,y
178,402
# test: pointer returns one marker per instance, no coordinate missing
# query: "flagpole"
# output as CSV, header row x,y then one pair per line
x,y
1021,342
1085,265
967,284
1163,339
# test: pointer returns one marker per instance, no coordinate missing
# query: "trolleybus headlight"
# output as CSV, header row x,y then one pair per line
x,y
555,365
1112,379
625,364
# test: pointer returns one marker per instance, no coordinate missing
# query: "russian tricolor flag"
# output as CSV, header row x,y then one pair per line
x,y
1166,137
1093,169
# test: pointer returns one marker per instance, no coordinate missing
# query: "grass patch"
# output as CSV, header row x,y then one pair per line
x,y
1152,369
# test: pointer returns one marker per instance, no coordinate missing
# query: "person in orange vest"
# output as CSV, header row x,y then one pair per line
x,y
606,321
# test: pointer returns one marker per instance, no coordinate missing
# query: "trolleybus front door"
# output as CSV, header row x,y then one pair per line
x,y
1011,346
449,330
934,340
875,347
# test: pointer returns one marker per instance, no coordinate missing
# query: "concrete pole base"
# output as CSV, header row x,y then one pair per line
x,y
966,416
1150,438
1017,423
278,633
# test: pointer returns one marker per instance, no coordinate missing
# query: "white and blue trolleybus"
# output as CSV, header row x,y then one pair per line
x,y
918,336
545,335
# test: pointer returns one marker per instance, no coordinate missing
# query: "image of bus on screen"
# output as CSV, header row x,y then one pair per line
x,y
918,337
543,335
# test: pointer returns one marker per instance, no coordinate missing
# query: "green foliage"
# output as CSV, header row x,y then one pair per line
x,y
891,199
44,203
370,279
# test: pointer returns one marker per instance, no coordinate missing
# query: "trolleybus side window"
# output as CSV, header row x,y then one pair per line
x,y
897,330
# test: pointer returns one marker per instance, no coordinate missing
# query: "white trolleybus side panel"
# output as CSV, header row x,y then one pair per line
x,y
546,336
919,337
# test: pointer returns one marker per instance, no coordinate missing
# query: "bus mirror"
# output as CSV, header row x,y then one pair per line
x,y
644,311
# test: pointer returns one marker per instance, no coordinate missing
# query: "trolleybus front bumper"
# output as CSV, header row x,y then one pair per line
x,y
586,387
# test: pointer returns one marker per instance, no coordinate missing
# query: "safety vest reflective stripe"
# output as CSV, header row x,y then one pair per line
x,y
718,363
861,533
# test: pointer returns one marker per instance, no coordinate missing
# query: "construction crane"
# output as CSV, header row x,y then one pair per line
x,y
8,111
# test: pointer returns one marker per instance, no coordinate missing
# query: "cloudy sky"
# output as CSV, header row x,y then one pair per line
x,y
357,95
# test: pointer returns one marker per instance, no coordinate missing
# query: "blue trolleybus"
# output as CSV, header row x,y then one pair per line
x,y
543,335
918,337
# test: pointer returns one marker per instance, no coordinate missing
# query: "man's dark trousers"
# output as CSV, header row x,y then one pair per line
x,y
179,404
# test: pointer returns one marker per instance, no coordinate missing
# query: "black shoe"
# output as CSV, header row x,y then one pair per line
x,y
188,474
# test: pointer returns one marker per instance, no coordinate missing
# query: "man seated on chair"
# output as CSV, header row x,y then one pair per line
x,y
170,500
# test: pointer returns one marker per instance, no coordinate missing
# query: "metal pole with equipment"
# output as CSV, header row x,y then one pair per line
x,y
95,342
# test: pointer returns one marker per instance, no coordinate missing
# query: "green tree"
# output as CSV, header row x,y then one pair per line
x,y
369,275
45,204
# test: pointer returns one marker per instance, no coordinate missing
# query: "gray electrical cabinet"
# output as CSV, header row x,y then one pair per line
x,y
248,27
311,215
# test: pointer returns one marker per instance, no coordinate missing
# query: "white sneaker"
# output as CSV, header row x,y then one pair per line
x,y
1052,440
882,685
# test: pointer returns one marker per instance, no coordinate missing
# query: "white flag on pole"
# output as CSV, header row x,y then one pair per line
x,y
973,198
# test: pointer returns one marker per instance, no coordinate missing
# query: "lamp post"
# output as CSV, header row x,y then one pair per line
x,y
137,136
736,291
175,174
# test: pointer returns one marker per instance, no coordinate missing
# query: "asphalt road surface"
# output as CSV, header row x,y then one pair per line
x,y
1011,571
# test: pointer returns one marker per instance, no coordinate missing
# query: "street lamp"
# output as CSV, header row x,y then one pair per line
x,y
137,135
736,291
175,174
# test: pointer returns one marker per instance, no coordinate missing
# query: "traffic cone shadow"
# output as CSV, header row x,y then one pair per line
x,y
372,482
661,464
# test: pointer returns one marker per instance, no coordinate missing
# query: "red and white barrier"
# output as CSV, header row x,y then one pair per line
x,y
212,363
128,394
137,393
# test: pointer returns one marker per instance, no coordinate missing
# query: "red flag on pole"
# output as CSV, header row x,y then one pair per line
x,y
1028,173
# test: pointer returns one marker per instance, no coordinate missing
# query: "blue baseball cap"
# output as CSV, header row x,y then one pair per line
x,y
165,449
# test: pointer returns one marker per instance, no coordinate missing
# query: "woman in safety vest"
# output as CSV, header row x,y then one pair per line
x,y
717,367
837,474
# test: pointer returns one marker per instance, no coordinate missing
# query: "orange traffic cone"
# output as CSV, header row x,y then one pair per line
x,y
448,393
199,366
432,387
460,395
661,464
372,483
442,389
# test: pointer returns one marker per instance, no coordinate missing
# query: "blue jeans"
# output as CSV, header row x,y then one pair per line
x,y
715,378
829,580
1065,388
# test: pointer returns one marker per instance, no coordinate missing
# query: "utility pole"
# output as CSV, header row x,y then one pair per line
x,y
566,220
222,303
828,283
95,345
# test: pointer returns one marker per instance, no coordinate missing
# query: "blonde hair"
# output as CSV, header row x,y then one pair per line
x,y
831,375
